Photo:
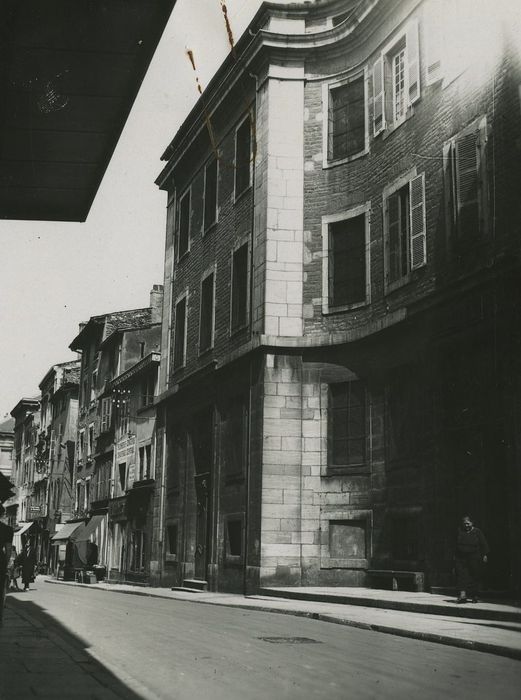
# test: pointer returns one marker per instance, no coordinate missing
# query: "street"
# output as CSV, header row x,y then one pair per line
x,y
171,649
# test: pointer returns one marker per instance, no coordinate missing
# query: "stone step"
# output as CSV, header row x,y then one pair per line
x,y
192,584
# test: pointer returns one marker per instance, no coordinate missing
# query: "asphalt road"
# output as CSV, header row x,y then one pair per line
x,y
181,650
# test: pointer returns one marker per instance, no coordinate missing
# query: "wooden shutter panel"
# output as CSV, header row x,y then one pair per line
x,y
392,215
378,97
467,161
434,18
417,228
413,59
449,184
330,266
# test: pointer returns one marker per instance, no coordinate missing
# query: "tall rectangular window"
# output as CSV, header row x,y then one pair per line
x,y
148,384
145,461
243,157
347,119
347,266
207,313
106,414
239,301
234,427
396,79
346,422
210,193
405,228
465,181
183,225
180,333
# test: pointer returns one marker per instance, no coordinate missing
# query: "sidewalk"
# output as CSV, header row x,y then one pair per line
x,y
496,629
37,660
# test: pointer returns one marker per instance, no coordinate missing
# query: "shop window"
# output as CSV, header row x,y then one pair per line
x,y
346,261
239,300
183,225
464,160
206,321
346,119
210,193
396,80
347,427
242,157
180,333
404,229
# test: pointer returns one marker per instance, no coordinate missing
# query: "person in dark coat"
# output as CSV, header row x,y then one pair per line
x,y
27,560
471,553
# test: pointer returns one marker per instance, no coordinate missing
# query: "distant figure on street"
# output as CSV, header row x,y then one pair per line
x,y
471,553
27,560
12,571
6,538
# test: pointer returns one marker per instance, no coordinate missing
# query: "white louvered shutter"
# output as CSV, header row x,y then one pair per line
x,y
467,162
433,31
413,60
417,228
378,97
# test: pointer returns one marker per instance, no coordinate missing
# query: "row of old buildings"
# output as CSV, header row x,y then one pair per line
x,y
330,376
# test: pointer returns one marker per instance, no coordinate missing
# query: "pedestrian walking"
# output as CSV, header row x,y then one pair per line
x,y
6,538
12,571
471,553
27,561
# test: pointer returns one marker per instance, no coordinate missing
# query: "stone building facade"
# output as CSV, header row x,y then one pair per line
x,y
340,350
107,446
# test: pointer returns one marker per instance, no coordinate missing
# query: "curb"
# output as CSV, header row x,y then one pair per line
x,y
459,642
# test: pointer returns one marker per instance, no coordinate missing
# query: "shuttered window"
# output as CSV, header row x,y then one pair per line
x,y
243,157
210,194
347,273
347,427
180,333
183,238
239,300
346,119
465,181
207,314
396,80
405,229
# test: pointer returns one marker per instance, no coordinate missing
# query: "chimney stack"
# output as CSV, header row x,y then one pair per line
x,y
156,303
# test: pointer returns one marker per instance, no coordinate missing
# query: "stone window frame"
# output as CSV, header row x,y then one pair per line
x,y
187,192
334,376
207,226
404,180
231,560
244,241
326,96
212,270
362,209
183,295
237,195
346,514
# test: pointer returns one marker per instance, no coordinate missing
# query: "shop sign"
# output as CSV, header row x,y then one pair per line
x,y
126,448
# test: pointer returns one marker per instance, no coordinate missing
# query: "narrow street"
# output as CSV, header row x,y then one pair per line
x,y
143,648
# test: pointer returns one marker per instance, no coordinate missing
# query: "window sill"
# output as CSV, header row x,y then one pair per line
x,y
390,129
238,329
331,310
232,561
142,409
333,163
344,564
183,257
208,229
347,470
206,352
171,558
238,197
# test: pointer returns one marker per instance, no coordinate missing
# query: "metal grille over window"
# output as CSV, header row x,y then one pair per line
x,y
346,424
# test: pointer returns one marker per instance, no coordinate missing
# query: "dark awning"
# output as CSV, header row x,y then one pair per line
x,y
89,529
69,74
65,533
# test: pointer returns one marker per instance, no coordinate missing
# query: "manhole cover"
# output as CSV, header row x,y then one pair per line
x,y
290,640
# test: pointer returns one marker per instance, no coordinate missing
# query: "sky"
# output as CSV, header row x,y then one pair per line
x,y
55,275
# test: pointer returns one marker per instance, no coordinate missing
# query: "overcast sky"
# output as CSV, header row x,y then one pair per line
x,y
55,275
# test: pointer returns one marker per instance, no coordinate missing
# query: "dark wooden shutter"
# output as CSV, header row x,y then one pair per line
x,y
467,162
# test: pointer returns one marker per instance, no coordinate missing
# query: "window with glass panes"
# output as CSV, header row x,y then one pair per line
x,y
347,274
206,315
346,119
346,425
